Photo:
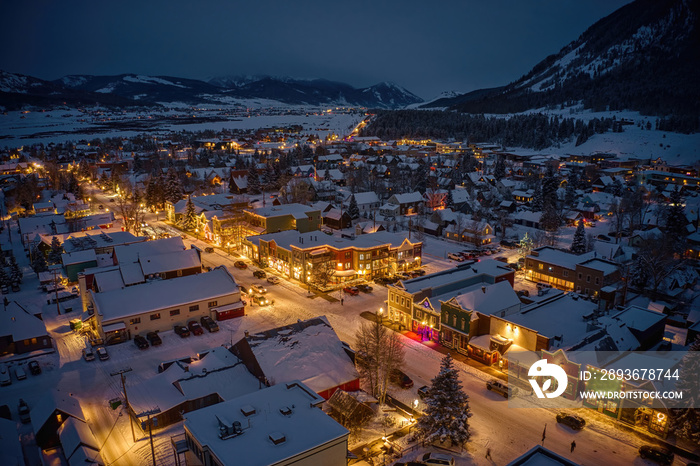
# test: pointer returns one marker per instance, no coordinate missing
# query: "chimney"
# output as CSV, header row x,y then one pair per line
x,y
483,289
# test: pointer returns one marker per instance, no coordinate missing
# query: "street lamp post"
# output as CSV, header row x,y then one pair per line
x,y
381,315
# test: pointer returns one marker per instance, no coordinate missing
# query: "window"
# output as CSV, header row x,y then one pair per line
x,y
155,316
580,276
135,320
179,273
454,321
565,273
194,308
588,279
462,323
34,341
597,280
540,266
175,312
347,265
403,302
213,303
362,257
419,315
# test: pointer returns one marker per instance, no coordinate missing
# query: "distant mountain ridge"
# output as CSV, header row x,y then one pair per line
x,y
140,90
645,57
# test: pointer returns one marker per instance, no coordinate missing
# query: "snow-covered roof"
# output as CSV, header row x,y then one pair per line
x,y
161,294
78,257
218,371
52,401
304,427
488,299
74,433
289,238
601,265
18,322
130,253
560,318
408,197
364,198
638,318
561,258
131,274
308,350
169,261
284,209
11,451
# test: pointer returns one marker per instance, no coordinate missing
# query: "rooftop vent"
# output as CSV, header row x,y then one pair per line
x,y
228,431
247,410
277,437
286,410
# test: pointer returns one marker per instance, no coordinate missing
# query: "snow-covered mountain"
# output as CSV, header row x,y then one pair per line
x,y
139,90
645,56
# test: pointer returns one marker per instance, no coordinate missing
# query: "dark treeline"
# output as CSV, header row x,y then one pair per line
x,y
535,131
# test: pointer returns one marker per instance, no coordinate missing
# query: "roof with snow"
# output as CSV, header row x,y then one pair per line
x,y
488,299
78,257
11,451
130,253
289,238
284,422
73,433
561,318
456,274
307,350
541,456
638,318
52,401
170,261
296,210
408,198
20,324
217,371
559,257
364,198
161,294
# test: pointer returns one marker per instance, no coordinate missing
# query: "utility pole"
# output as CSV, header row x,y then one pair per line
x,y
55,290
150,429
126,398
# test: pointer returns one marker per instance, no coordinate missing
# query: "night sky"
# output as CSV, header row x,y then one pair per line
x,y
426,46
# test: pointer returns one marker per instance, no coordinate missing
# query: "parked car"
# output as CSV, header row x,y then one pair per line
x,y
501,388
604,238
15,288
258,289
181,330
240,265
455,257
102,353
423,392
351,290
88,354
436,459
655,453
401,379
364,288
153,338
571,420
209,324
5,377
23,411
274,280
244,290
259,274
195,328
209,249
34,367
19,373
261,300
140,342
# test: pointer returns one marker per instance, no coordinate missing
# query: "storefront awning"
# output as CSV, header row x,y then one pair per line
x,y
115,327
345,273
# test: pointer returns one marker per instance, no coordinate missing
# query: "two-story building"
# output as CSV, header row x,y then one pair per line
x,y
320,260
283,217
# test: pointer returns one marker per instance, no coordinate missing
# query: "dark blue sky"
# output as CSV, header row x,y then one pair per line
x,y
426,46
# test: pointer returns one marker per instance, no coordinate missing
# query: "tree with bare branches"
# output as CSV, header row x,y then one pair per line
x,y
379,352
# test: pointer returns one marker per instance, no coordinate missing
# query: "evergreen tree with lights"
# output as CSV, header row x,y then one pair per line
x,y
447,412
189,220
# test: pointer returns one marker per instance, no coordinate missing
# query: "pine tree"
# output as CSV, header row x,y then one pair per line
x,y
353,209
15,272
172,187
447,412
189,220
449,201
499,171
4,278
327,175
578,245
253,180
675,221
38,261
685,422
56,251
